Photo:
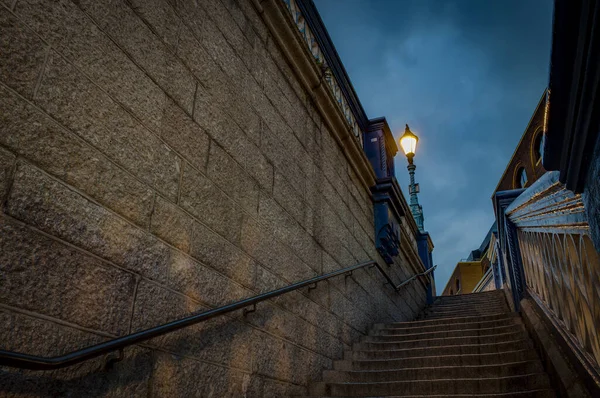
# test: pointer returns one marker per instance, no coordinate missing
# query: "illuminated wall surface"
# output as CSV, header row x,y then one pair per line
x,y
158,158
468,275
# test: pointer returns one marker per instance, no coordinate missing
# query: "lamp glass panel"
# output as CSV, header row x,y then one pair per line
x,y
409,144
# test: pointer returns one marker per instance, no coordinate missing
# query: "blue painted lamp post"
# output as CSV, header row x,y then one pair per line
x,y
408,142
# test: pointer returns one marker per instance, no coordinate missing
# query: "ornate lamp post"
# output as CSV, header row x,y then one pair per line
x,y
408,142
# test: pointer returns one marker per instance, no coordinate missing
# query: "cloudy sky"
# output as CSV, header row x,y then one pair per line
x,y
466,75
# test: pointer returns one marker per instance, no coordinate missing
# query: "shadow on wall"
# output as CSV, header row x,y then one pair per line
x,y
145,372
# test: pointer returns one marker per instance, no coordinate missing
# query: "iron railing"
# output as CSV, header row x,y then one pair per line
x,y
26,361
550,247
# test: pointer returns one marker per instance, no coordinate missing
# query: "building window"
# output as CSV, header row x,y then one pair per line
x,y
521,179
538,149
457,285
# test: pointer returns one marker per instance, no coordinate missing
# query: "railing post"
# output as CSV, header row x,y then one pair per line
x,y
515,263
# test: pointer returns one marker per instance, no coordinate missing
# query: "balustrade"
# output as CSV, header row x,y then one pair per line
x,y
547,241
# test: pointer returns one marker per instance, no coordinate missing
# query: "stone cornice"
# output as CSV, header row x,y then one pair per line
x,y
285,32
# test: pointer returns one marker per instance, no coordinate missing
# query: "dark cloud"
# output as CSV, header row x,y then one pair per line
x,y
466,75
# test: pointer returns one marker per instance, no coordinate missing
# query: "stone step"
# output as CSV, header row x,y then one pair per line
x,y
478,310
469,303
535,381
438,361
464,312
434,322
485,304
441,326
492,293
448,307
443,334
458,314
467,299
434,373
497,348
521,394
438,342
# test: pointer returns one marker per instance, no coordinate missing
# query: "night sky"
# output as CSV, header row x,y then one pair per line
x,y
466,76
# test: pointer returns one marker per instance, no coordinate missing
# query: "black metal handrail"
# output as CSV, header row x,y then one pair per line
x,y
32,362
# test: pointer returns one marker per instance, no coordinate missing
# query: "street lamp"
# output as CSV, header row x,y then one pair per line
x,y
408,142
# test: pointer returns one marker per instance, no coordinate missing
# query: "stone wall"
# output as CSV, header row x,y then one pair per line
x,y
161,157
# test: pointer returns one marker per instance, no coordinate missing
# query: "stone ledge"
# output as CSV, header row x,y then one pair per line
x,y
567,375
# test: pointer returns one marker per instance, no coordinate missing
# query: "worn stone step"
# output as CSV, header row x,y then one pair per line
x,y
440,350
492,293
458,314
433,373
444,333
470,303
461,313
434,322
438,361
520,394
491,307
436,327
443,341
536,381
499,302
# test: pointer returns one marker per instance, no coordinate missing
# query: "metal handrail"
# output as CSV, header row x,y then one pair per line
x,y
412,278
32,362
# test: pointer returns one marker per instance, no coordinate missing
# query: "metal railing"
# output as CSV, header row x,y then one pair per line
x,y
552,258
26,361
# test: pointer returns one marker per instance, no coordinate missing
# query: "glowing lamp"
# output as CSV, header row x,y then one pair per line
x,y
408,142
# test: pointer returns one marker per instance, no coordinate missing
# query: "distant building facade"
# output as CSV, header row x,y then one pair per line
x,y
473,274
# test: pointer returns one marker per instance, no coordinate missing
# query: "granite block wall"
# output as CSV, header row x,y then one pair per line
x,y
157,158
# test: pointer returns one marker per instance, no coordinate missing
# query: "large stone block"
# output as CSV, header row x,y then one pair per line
x,y
209,204
174,376
216,252
287,197
231,178
202,283
43,202
247,8
7,165
265,387
28,334
172,224
23,55
184,135
290,235
33,135
276,257
198,60
221,340
73,34
228,98
144,47
230,137
279,359
161,18
283,161
45,276
79,105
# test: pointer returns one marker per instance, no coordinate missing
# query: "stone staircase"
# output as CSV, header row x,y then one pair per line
x,y
462,346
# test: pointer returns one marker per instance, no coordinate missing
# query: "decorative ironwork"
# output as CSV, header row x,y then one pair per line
x,y
388,242
563,270
317,53
561,265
